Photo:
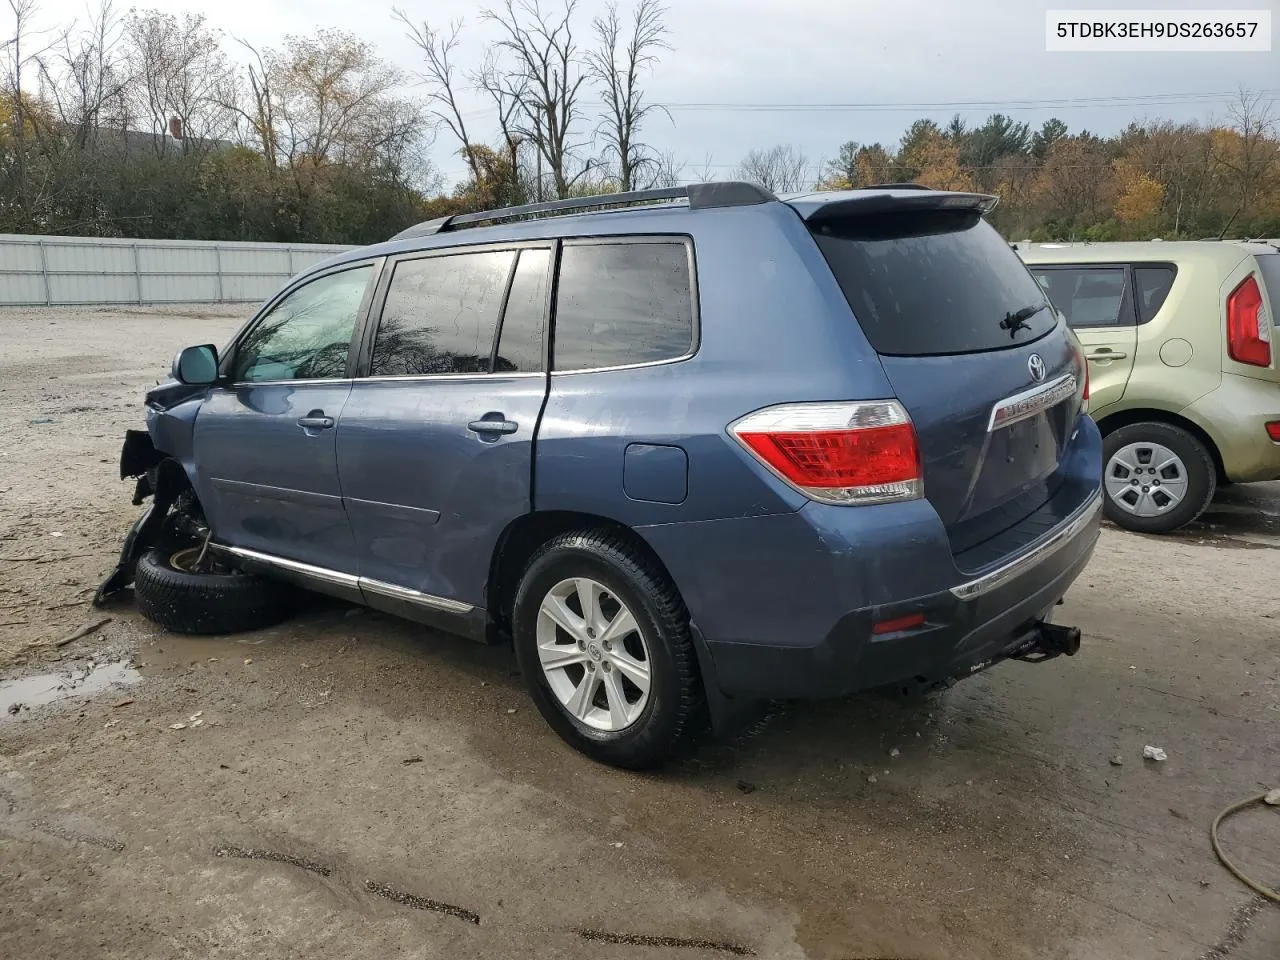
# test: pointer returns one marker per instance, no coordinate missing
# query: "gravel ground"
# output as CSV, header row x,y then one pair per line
x,y
348,785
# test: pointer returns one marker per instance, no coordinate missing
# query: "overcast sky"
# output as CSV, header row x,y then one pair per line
x,y
933,53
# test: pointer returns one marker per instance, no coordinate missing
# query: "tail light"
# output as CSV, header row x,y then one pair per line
x,y
843,453
1248,329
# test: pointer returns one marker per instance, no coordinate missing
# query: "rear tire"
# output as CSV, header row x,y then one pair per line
x,y
615,721
1175,477
205,603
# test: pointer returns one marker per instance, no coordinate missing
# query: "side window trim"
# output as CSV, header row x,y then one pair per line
x,y
1157,265
364,349
1128,301
695,343
226,362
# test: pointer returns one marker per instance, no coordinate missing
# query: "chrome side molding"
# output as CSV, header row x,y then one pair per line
x,y
320,574
417,597
336,578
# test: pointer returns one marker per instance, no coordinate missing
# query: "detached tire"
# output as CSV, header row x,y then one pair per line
x,y
1157,477
603,641
205,603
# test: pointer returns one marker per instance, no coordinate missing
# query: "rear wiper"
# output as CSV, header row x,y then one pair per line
x,y
1013,322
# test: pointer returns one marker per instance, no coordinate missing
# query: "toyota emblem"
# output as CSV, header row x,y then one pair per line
x,y
1035,367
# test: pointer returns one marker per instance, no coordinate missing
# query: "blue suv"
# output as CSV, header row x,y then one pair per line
x,y
692,449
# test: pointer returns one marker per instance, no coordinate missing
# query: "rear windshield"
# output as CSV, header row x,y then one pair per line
x,y
933,282
1269,264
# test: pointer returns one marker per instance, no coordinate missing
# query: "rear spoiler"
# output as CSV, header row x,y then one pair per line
x,y
818,207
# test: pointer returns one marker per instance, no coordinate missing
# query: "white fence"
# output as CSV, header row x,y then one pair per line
x,y
68,271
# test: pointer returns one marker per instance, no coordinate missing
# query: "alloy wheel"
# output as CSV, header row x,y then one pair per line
x,y
593,654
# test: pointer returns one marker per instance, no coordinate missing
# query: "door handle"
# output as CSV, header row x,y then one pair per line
x,y
493,426
1105,354
313,422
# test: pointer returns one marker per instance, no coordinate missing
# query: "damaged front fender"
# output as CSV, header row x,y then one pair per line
x,y
158,477
138,458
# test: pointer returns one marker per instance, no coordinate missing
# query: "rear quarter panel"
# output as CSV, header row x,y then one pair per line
x,y
773,328
1192,313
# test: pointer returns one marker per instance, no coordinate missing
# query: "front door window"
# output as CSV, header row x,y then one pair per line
x,y
307,335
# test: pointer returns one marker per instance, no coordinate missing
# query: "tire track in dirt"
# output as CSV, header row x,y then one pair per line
x,y
75,836
687,943
391,894
1237,929
254,853
420,903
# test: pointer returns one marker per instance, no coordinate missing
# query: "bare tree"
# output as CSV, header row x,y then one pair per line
x,y
782,169
668,171
1252,155
180,71
549,66
507,91
256,108
330,96
442,80
707,172
23,49
86,78
615,66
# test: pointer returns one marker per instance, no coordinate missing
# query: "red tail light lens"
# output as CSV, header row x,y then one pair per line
x,y
1248,328
1273,430
845,453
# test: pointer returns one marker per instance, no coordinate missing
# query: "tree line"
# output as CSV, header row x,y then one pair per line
x,y
1154,179
152,124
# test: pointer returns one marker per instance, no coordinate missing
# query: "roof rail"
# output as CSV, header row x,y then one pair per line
x,y
701,196
895,186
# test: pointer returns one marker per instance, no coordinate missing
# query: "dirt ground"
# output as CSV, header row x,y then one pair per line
x,y
348,785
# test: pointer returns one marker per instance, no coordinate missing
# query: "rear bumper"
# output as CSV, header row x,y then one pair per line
x,y
1235,416
783,605
968,627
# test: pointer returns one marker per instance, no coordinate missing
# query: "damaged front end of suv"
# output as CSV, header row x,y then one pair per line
x,y
157,459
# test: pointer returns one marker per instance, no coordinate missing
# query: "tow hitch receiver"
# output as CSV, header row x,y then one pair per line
x,y
1048,640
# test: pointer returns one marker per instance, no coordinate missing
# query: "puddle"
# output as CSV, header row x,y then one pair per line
x,y
94,678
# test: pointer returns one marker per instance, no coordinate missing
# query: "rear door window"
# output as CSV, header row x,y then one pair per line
x,y
933,282
441,314
523,322
1088,296
620,304
1152,285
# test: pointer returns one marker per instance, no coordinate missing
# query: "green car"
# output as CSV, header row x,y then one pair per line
x,y
1184,377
